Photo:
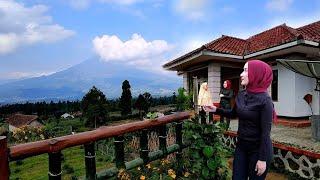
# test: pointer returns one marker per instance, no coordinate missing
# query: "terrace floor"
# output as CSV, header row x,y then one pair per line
x,y
299,137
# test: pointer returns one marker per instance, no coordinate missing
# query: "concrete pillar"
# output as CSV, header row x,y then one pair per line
x,y
214,78
186,82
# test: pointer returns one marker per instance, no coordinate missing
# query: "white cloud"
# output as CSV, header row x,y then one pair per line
x,y
135,51
121,2
8,42
80,4
192,9
84,4
278,5
21,26
21,74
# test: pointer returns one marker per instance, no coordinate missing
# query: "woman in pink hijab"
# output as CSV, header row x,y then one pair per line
x,y
254,108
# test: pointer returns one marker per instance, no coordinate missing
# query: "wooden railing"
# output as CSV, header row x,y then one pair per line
x,y
53,147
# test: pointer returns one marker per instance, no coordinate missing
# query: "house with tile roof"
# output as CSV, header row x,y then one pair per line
x,y
19,120
224,58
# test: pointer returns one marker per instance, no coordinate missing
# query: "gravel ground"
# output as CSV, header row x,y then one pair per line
x,y
297,137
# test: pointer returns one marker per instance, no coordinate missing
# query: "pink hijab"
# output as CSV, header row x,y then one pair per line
x,y
260,77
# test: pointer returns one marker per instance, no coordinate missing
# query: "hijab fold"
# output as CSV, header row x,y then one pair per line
x,y
260,78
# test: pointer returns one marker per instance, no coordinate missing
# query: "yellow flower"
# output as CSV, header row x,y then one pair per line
x,y
41,136
173,176
171,173
220,171
186,174
148,166
142,177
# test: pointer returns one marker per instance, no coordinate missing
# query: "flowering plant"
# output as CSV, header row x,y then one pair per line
x,y
28,134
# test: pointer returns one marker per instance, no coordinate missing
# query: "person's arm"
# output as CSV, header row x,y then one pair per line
x,y
265,125
229,95
229,113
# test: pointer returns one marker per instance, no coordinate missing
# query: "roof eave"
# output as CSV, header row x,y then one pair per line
x,y
282,46
204,52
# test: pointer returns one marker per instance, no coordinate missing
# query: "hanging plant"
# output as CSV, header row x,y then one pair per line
x,y
308,99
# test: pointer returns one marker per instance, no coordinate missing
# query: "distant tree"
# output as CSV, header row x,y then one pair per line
x,y
126,98
140,104
94,107
148,99
174,98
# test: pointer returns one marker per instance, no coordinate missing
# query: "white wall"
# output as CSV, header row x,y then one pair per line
x,y
292,87
304,85
286,83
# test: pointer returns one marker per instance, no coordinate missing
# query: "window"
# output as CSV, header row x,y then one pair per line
x,y
274,86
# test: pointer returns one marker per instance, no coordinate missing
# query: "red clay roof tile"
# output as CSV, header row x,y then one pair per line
x,y
267,39
19,120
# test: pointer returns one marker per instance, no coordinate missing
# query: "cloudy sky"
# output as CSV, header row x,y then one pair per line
x,y
40,37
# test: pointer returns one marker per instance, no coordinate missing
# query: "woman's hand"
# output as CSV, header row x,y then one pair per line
x,y
221,95
210,108
261,167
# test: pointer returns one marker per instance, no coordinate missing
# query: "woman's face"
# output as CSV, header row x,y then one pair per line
x,y
205,87
225,84
244,75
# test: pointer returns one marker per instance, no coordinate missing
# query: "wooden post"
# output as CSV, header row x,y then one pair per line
x,y
90,161
119,151
203,117
144,151
211,117
55,166
4,161
163,138
179,153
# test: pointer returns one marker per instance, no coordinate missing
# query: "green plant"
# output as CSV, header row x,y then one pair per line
x,y
19,162
68,169
206,157
159,169
28,134
183,100
152,115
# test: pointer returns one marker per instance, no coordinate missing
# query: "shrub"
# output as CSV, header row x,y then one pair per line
x,y
183,100
28,134
206,156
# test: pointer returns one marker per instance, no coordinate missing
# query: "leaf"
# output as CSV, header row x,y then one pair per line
x,y
205,172
195,155
208,151
212,165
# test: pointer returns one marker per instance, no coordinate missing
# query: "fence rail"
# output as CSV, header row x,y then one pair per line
x,y
53,147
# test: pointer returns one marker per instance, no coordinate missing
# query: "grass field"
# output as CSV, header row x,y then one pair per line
x,y
36,168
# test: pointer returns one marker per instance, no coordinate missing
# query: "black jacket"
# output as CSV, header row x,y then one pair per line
x,y
254,111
